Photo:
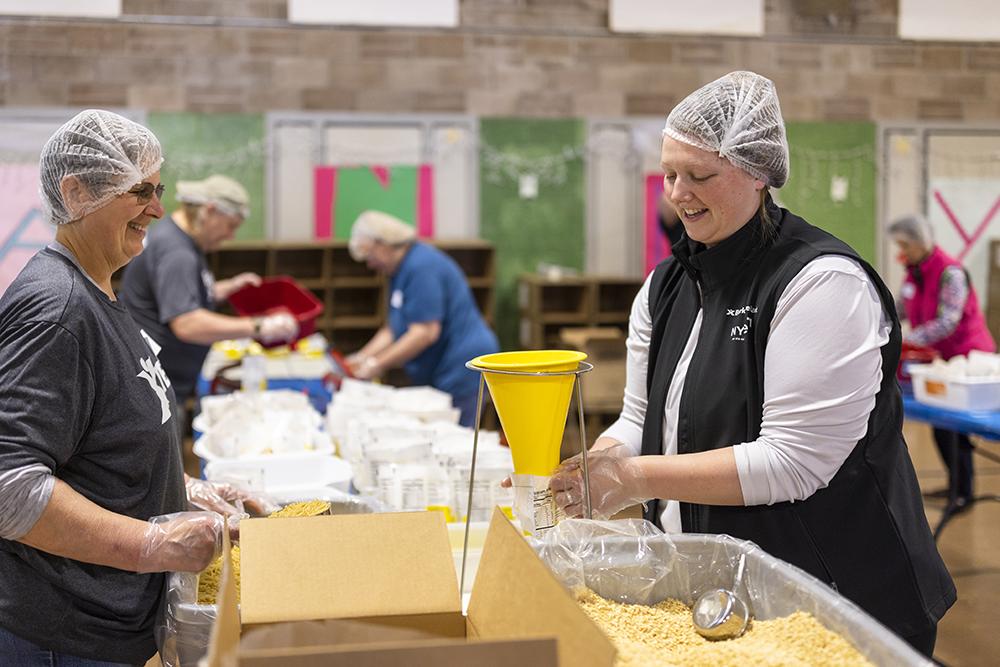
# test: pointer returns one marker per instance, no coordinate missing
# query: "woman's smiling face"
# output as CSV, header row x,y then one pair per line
x,y
712,197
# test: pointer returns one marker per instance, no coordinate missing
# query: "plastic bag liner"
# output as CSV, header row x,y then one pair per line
x,y
184,627
632,561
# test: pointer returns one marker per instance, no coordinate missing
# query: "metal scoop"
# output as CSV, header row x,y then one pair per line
x,y
720,613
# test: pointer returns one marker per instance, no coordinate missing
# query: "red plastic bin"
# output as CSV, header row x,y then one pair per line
x,y
279,293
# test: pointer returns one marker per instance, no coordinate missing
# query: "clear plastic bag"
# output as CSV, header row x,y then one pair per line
x,y
183,627
626,561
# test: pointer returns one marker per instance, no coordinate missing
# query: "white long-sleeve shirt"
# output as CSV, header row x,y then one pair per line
x,y
822,370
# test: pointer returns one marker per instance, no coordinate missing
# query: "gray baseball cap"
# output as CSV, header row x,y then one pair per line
x,y
224,192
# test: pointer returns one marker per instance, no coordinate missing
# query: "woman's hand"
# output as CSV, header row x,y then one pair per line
x,y
224,288
278,328
616,482
227,499
181,542
366,368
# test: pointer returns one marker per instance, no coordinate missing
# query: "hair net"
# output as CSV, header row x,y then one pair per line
x,y
914,227
222,191
738,117
107,153
378,226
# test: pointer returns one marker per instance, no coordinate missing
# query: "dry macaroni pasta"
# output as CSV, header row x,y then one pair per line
x,y
306,508
211,577
664,634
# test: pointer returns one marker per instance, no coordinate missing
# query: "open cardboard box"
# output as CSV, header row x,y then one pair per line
x,y
380,589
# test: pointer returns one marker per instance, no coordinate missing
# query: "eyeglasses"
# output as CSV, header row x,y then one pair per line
x,y
144,191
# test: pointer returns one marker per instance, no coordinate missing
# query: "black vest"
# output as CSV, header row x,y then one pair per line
x,y
865,534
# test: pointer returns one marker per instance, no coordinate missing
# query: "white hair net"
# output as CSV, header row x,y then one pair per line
x,y
377,226
106,152
738,117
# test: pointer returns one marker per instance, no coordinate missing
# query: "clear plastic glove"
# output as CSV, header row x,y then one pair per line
x,y
366,368
617,449
228,499
278,328
181,542
616,482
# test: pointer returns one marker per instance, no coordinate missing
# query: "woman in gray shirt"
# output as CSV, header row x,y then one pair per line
x,y
92,490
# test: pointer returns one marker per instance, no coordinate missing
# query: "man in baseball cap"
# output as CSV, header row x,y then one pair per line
x,y
172,294
224,193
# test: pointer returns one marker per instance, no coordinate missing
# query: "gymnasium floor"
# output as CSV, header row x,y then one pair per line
x,y
970,544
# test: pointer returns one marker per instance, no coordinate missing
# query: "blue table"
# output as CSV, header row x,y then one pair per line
x,y
983,424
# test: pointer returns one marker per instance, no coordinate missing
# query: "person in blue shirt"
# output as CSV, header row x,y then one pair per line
x,y
433,326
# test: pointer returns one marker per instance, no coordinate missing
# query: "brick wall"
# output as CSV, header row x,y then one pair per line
x,y
831,60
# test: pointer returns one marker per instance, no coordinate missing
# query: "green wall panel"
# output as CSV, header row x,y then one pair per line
x,y
821,153
197,145
358,190
548,228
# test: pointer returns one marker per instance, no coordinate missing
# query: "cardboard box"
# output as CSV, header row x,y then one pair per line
x,y
604,386
380,589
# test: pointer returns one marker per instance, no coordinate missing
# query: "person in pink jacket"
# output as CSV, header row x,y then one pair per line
x,y
941,305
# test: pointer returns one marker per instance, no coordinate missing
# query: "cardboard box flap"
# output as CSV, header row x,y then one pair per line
x,y
516,596
354,632
348,566
523,653
224,640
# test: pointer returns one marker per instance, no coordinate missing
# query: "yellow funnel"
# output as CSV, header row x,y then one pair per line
x,y
532,408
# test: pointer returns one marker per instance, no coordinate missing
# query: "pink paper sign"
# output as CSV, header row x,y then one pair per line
x,y
23,231
657,245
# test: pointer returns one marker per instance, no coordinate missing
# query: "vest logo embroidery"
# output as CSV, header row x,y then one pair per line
x,y
741,323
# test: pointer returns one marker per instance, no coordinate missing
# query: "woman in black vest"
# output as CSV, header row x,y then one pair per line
x,y
761,398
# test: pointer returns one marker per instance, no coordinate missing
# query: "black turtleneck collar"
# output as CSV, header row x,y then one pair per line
x,y
715,266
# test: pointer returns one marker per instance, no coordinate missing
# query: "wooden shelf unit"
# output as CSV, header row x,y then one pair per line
x,y
548,305
354,297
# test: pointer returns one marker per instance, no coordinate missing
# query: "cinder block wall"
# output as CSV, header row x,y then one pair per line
x,y
831,60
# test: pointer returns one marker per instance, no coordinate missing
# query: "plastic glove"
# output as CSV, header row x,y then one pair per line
x,y
366,369
227,499
181,542
616,482
613,448
256,504
277,328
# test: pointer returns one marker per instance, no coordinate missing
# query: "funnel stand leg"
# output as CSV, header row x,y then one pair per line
x,y
472,481
588,513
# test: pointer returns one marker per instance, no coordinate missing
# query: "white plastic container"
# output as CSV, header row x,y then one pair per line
x,y
216,445
976,394
284,475
251,404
